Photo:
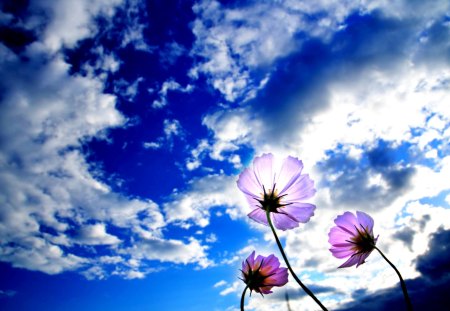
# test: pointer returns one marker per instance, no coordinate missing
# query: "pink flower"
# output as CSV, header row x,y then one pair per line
x,y
352,237
281,191
263,273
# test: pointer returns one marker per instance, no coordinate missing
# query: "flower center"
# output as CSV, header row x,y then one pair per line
x,y
254,278
364,242
271,200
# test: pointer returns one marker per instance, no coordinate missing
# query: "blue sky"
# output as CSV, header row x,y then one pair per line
x,y
124,126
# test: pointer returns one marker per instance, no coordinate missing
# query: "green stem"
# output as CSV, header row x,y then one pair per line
x,y
306,289
402,283
243,297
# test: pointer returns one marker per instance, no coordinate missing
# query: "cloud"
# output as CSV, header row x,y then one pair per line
x,y
427,291
68,22
231,40
230,130
133,16
360,99
127,90
220,283
304,85
37,254
374,179
172,130
169,85
56,214
231,288
96,235
152,145
193,206
174,251
238,45
434,264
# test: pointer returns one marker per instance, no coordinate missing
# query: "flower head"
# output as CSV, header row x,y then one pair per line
x,y
280,191
352,236
263,273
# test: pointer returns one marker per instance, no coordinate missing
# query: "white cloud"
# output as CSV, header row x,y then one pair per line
x,y
71,22
96,235
53,203
192,206
211,238
231,289
197,155
175,251
152,145
133,32
230,129
220,283
265,33
126,89
169,85
37,254
172,128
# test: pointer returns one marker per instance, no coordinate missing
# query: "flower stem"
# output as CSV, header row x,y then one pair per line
x,y
306,289
243,297
402,283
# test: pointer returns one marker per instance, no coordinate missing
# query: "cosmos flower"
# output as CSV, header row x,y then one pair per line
x,y
263,273
281,191
352,237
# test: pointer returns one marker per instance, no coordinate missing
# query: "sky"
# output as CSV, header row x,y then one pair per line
x,y
125,125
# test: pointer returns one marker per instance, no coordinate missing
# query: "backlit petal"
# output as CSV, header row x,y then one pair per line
x,y
289,173
365,221
259,215
263,167
248,183
283,222
301,212
302,189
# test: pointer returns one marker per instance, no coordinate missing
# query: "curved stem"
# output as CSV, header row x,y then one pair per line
x,y
243,297
402,283
306,289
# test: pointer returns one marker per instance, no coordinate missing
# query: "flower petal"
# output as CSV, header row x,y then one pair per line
x,y
301,212
301,189
347,222
265,290
259,215
362,258
289,173
341,252
252,202
280,278
263,168
283,221
271,263
365,221
339,235
248,183
353,260
249,261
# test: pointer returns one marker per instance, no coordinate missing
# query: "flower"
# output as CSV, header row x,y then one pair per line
x,y
280,191
353,236
263,273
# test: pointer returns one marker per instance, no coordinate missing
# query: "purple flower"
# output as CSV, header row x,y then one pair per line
x,y
352,236
263,273
280,191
